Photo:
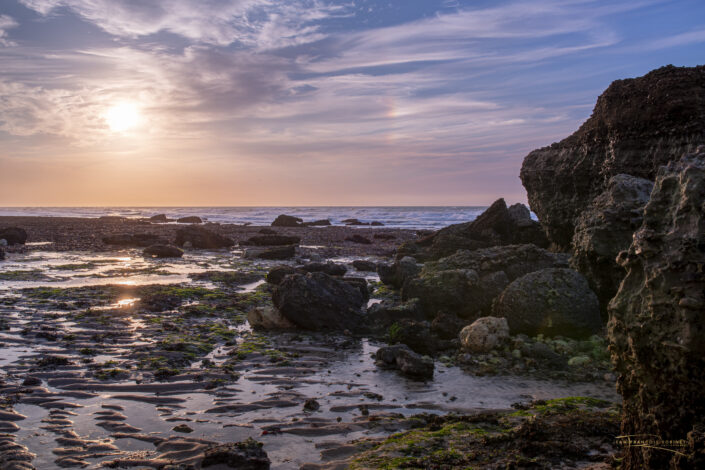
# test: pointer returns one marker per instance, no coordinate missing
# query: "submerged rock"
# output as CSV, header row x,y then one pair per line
x,y
605,229
317,301
550,302
317,223
656,327
287,221
202,238
162,251
637,125
160,218
245,455
496,226
484,334
329,267
466,283
406,361
13,235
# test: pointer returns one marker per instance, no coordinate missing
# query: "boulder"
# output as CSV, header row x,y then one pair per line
x,y
358,239
267,231
202,238
353,222
415,334
544,355
604,229
158,219
484,334
376,223
397,273
382,315
245,455
287,221
272,240
360,283
330,268
317,223
134,239
550,302
277,273
466,283
273,253
447,325
317,301
364,265
192,219
406,361
268,318
162,251
496,226
637,125
13,235
656,328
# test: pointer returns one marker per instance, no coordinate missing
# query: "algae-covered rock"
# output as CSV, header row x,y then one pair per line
x,y
484,334
550,302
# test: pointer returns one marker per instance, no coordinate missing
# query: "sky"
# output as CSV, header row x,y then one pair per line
x,y
308,102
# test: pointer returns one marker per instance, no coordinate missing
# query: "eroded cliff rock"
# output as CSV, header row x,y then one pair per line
x,y
657,321
637,126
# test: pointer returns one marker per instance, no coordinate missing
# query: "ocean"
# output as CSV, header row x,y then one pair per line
x,y
399,217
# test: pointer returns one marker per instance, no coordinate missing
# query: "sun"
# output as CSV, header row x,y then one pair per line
x,y
123,117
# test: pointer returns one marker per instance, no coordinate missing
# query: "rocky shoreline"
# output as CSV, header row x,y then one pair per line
x,y
494,343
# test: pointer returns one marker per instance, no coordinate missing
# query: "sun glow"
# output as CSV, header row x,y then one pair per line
x,y
123,117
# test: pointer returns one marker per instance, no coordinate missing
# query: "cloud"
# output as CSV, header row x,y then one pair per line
x,y
6,23
683,39
262,24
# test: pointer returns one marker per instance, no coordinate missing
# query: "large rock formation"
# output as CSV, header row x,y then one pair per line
x,y
13,235
498,225
467,282
316,301
550,302
637,125
200,237
657,319
605,229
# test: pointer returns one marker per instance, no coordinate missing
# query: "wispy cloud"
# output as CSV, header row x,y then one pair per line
x,y
6,23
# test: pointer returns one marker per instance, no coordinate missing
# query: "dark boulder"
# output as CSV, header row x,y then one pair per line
x,y
134,239
606,228
447,325
358,239
162,251
415,334
273,253
2,254
466,283
192,219
376,223
287,221
406,361
158,219
317,301
550,302
353,222
245,455
317,223
497,226
384,314
656,328
330,268
364,265
277,273
267,231
544,355
360,283
637,125
272,240
200,237
13,235
397,273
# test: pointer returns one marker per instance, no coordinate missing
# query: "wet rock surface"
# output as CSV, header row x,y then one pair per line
x,y
656,327
163,251
13,235
199,237
637,125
